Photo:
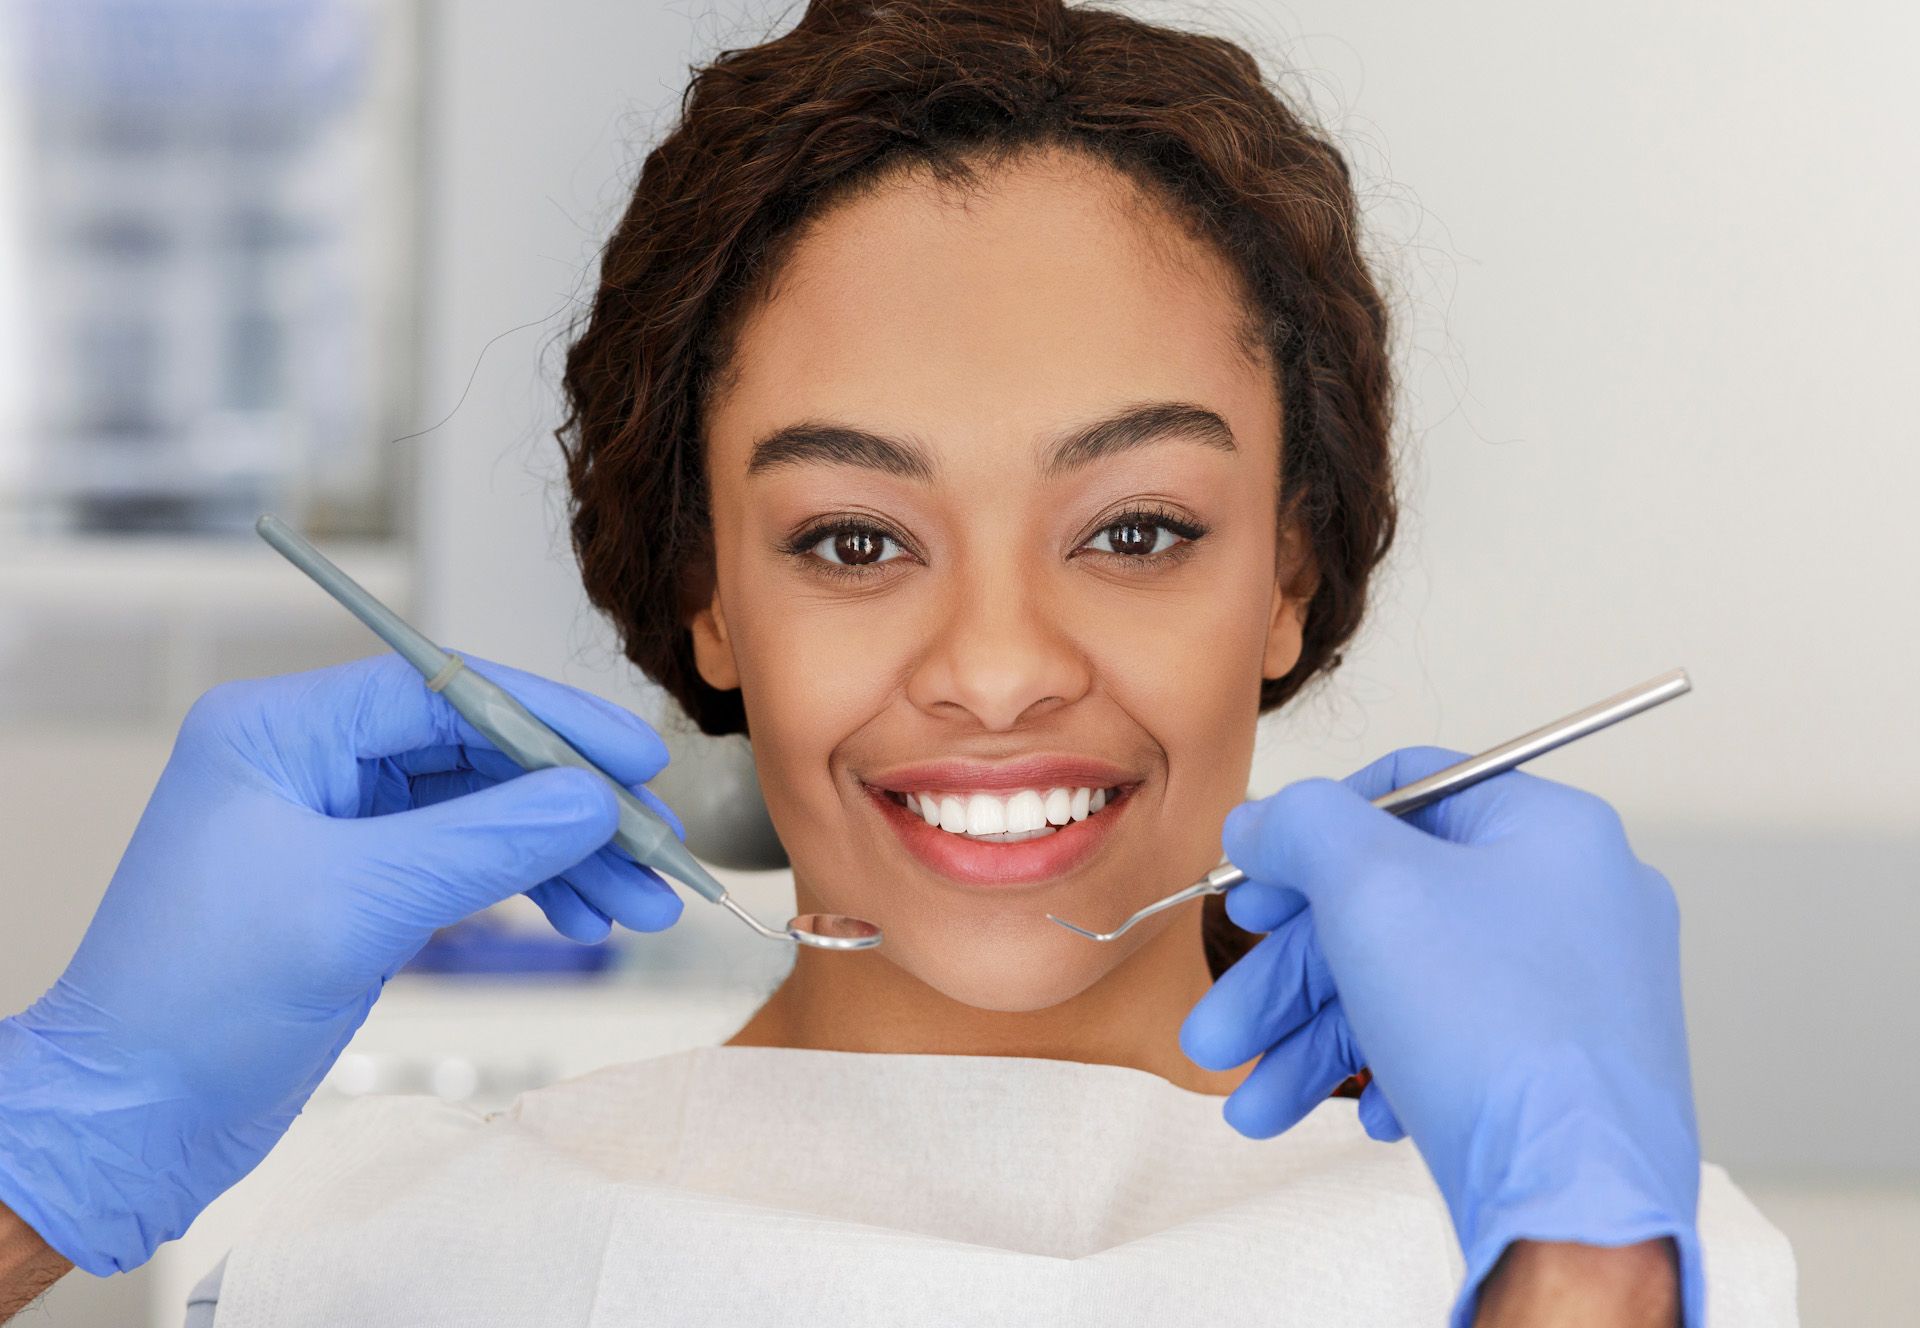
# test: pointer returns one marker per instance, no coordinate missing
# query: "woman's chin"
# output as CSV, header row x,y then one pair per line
x,y
1012,972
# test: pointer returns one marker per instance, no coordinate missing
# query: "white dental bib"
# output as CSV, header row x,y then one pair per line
x,y
758,1186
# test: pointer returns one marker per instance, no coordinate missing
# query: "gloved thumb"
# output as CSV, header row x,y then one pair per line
x,y
1309,836
456,857
1376,1115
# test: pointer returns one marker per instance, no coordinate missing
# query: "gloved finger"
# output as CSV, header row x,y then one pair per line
x,y
428,789
611,736
1477,814
629,894
1275,988
440,758
456,857
1399,768
1376,1115
381,707
1312,836
606,885
1257,906
498,765
569,914
667,813
1295,1076
577,901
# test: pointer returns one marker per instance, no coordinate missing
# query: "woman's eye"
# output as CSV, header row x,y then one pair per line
x,y
1135,538
852,546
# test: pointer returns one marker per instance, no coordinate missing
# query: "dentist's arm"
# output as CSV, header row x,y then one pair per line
x,y
1510,972
308,835
1541,1284
28,1265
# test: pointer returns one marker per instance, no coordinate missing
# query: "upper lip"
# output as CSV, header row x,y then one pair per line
x,y
1038,771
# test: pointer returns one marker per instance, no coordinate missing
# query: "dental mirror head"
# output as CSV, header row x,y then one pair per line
x,y
823,931
834,931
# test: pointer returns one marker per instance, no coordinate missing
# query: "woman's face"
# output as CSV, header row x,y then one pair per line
x,y
933,577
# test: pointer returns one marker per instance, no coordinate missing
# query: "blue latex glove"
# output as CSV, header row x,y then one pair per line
x,y
308,834
1509,971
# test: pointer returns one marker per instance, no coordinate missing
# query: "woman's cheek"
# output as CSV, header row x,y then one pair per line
x,y
812,679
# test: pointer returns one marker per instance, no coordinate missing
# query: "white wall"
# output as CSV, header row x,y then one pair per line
x,y
13,332
1666,288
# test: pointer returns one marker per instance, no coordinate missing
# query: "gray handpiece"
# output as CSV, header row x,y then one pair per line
x,y
643,833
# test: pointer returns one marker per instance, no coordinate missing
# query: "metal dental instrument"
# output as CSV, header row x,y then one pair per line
x,y
1438,785
643,833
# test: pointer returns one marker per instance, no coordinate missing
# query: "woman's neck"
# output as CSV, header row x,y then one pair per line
x,y
1131,1017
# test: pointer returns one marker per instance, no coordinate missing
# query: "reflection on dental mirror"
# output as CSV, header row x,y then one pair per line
x,y
834,931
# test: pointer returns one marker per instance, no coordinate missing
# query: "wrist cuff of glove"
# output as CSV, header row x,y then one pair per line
x,y
1484,1256
1584,1180
91,1157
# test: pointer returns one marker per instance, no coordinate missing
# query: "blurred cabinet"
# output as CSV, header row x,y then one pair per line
x,y
105,634
214,225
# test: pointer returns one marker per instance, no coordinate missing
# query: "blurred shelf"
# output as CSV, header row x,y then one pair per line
x,y
146,572
106,632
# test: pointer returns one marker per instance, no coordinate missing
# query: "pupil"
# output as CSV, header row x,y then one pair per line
x,y
857,546
1132,538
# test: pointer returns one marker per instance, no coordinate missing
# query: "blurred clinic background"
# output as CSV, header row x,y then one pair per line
x,y
1657,285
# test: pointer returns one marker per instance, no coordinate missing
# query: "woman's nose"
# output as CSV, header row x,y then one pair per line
x,y
1000,653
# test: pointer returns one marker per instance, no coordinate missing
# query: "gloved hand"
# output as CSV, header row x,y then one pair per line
x,y
308,834
1510,972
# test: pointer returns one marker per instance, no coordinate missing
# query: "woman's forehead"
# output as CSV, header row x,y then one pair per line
x,y
1033,306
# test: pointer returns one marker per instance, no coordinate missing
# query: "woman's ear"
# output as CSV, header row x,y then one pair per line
x,y
712,647
1295,579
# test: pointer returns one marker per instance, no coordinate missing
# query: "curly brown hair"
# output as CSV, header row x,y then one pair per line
x,y
770,136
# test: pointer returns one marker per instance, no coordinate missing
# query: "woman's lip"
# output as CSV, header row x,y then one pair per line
x,y
1036,771
972,862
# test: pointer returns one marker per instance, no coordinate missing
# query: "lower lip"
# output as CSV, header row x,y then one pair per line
x,y
973,862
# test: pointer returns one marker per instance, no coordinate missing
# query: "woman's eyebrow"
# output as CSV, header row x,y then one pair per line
x,y
1151,422
824,442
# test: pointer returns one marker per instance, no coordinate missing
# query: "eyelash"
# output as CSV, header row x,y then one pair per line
x,y
801,546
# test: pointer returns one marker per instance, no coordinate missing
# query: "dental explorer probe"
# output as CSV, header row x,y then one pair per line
x,y
643,832
1411,797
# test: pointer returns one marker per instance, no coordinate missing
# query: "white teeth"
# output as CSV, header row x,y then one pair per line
x,y
1016,837
986,815
1025,814
1026,810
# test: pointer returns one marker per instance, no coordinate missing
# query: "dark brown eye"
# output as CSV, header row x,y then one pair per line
x,y
1135,539
850,546
857,546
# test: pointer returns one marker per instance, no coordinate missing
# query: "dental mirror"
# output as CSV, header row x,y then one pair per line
x,y
823,931
834,931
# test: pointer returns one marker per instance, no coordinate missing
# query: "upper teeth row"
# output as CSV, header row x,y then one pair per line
x,y
987,814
